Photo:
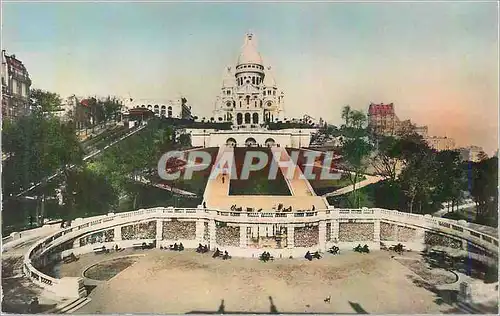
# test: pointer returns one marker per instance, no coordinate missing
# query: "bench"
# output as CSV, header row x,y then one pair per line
x,y
139,246
143,246
70,258
100,250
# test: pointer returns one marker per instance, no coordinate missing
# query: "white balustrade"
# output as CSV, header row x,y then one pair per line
x,y
87,225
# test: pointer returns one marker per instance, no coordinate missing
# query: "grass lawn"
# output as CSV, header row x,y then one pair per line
x,y
258,182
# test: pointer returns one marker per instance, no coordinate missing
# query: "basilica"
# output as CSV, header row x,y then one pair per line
x,y
249,96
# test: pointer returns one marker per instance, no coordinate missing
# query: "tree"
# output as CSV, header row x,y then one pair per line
x,y
356,152
184,140
484,190
45,100
450,178
482,156
133,159
38,147
417,176
88,193
346,114
357,119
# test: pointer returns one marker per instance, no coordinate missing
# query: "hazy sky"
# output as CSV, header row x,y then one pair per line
x,y
438,62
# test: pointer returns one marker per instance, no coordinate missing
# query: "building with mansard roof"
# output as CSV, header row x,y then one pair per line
x,y
16,85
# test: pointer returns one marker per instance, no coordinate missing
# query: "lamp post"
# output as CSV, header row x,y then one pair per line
x,y
300,138
204,138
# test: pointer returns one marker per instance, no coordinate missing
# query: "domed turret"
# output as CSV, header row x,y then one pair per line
x,y
269,78
229,79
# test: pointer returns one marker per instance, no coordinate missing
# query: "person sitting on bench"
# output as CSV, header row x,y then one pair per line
x,y
308,256
226,256
365,249
199,249
205,249
181,247
216,253
176,247
316,255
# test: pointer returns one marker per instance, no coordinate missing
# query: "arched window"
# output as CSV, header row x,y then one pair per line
x,y
255,118
250,142
239,118
247,118
169,111
270,142
231,142
253,80
248,99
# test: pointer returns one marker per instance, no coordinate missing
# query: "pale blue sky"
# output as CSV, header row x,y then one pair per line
x,y
436,61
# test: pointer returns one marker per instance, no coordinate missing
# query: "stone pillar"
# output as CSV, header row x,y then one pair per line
x,y
322,235
465,244
212,234
200,231
243,236
335,231
420,238
290,235
118,233
159,232
376,231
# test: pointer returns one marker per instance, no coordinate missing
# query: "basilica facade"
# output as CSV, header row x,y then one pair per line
x,y
249,95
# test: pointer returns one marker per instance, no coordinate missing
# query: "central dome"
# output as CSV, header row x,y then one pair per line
x,y
249,53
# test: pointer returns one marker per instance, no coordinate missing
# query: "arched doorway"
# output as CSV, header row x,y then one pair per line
x,y
251,142
247,118
231,142
255,118
270,142
239,118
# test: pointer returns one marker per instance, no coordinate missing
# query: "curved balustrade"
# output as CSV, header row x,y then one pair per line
x,y
38,254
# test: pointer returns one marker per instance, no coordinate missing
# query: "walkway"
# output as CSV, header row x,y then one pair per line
x,y
163,186
369,180
17,290
217,194
297,184
468,204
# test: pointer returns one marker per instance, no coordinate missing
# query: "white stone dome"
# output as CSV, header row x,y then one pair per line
x,y
249,53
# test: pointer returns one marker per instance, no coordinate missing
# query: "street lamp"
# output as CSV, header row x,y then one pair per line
x,y
300,138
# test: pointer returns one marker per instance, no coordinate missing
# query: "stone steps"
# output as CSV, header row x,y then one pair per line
x,y
70,307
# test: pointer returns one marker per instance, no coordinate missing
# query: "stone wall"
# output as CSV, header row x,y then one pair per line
x,y
146,230
387,231
227,235
306,236
177,230
350,232
434,239
98,237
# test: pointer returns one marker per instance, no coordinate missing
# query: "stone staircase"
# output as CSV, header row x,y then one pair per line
x,y
69,307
